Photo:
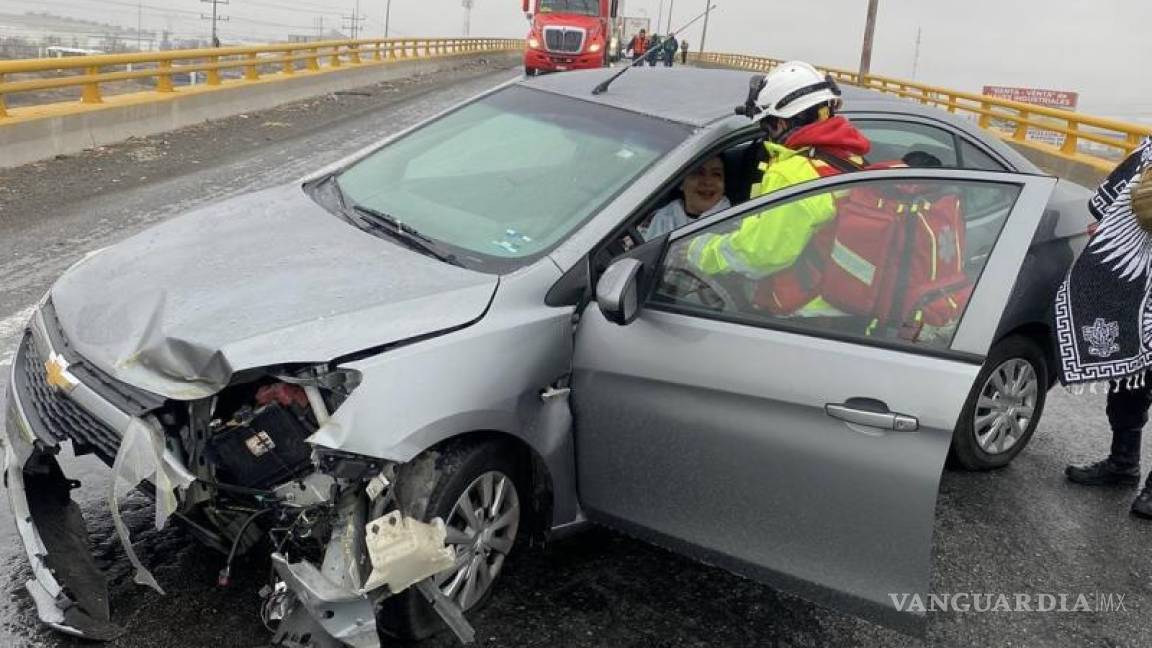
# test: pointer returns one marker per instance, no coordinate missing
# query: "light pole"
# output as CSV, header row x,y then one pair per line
x,y
869,34
387,16
704,34
671,7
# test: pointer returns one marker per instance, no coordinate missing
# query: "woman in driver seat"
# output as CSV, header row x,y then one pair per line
x,y
703,191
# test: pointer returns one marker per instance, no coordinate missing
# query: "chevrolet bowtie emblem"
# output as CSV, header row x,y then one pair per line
x,y
58,376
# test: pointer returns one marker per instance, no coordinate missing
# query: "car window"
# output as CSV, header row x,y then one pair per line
x,y
892,261
897,140
975,158
506,178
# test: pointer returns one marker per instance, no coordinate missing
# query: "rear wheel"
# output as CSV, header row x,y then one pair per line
x,y
478,490
1005,406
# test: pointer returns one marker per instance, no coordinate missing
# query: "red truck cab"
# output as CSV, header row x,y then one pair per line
x,y
568,34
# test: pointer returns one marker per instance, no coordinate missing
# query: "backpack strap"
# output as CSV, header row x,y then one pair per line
x,y
840,164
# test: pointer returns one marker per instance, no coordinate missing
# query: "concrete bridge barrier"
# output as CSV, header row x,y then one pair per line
x,y
234,81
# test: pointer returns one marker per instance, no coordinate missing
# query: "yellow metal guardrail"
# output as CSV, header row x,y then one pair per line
x,y
1011,120
90,73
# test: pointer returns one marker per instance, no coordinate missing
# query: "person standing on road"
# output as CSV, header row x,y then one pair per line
x,y
670,47
684,47
1104,324
655,44
798,107
639,46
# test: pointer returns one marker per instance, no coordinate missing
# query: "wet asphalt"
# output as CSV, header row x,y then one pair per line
x,y
1020,530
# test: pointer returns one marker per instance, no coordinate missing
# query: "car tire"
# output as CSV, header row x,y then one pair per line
x,y
433,485
1004,407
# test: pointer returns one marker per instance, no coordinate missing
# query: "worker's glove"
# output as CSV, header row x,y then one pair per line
x,y
1142,200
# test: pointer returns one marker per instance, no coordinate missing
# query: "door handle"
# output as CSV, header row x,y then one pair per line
x,y
870,412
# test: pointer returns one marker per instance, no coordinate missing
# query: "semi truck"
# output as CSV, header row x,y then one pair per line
x,y
568,34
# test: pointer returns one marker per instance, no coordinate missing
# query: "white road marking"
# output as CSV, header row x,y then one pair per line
x,y
10,328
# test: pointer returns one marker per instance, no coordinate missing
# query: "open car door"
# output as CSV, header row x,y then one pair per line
x,y
802,451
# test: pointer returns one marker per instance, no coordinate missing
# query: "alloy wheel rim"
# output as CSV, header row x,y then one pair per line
x,y
1006,406
482,529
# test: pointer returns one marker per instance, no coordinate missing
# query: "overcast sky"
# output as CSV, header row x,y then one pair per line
x,y
1096,47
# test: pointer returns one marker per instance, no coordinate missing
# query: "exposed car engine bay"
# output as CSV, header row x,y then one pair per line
x,y
247,478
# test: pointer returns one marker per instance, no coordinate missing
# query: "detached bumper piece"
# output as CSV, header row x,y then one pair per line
x,y
54,535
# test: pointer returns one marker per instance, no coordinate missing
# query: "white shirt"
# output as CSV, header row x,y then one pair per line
x,y
672,216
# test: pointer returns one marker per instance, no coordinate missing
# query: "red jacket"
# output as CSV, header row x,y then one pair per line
x,y
639,45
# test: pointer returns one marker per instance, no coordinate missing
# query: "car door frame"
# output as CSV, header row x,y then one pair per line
x,y
973,338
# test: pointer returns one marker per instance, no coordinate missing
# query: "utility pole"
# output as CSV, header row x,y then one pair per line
x,y
916,59
215,18
659,18
869,35
671,7
353,21
704,35
387,16
139,23
319,22
467,16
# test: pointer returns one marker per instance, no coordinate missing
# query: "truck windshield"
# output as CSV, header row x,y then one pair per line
x,y
501,181
583,7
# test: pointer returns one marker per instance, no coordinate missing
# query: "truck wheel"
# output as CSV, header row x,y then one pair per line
x,y
479,490
1004,408
529,71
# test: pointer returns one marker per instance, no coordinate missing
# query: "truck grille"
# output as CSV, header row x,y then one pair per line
x,y
53,414
558,39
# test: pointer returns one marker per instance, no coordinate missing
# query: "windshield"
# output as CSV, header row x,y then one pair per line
x,y
502,180
584,7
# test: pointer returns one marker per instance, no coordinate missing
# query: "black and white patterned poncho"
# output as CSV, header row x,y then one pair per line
x,y
1104,310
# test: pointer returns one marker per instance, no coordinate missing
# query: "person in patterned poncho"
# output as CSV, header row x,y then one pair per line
x,y
1104,321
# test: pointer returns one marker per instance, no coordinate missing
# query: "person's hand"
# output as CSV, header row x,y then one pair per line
x,y
1142,200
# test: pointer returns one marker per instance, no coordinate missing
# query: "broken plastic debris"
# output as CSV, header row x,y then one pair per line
x,y
141,457
405,551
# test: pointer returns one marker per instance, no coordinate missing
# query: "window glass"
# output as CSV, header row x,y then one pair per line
x,y
916,144
504,179
886,260
975,158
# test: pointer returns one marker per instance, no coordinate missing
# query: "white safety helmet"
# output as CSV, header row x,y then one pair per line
x,y
794,87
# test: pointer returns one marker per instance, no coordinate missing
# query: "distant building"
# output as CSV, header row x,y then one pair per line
x,y
30,34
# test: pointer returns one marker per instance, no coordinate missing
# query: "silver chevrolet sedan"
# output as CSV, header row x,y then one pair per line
x,y
392,374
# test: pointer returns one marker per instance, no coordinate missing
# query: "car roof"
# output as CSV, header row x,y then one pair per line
x,y
700,97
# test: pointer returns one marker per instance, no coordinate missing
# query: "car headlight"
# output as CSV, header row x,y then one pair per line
x,y
534,43
595,47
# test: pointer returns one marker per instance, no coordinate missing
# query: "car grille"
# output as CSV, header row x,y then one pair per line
x,y
54,413
563,40
126,398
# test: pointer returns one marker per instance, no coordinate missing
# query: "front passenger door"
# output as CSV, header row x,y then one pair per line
x,y
805,452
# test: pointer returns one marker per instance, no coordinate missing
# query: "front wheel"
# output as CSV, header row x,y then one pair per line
x,y
478,490
529,71
1005,406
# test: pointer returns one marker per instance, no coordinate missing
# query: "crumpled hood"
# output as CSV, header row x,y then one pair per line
x,y
264,279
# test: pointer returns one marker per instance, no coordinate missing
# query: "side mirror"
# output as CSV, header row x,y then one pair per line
x,y
528,16
618,291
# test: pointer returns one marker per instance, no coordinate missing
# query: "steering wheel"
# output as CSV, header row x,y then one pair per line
x,y
684,281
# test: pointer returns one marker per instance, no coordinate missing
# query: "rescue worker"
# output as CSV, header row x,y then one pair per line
x,y
804,134
1100,323
638,46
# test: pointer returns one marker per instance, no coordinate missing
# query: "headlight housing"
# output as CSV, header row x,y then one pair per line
x,y
595,47
534,42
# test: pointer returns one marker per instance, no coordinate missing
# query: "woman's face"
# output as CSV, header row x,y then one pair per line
x,y
704,187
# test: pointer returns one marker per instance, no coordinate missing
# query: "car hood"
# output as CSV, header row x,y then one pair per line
x,y
264,279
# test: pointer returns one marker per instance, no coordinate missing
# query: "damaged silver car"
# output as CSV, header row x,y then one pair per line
x,y
372,374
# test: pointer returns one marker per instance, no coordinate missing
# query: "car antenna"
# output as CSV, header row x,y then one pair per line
x,y
603,87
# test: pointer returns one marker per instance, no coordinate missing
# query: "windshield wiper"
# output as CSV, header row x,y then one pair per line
x,y
406,234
